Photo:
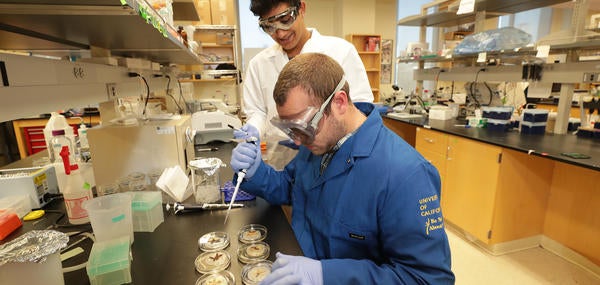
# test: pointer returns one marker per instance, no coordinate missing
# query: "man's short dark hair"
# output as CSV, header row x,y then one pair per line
x,y
262,7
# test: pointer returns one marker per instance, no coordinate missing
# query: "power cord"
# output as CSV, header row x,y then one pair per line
x,y
181,96
135,74
179,109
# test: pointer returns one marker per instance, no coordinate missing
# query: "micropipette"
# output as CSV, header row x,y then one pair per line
x,y
241,174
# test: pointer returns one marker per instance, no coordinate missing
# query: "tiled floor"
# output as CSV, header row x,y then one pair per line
x,y
472,265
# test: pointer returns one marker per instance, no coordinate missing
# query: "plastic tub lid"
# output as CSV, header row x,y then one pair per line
x,y
252,233
144,200
213,241
210,262
222,277
532,124
109,256
254,273
253,252
536,111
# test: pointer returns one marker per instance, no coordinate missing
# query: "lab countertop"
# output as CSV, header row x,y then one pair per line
x,y
549,145
166,256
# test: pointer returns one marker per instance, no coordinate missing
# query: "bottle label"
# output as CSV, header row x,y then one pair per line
x,y
75,208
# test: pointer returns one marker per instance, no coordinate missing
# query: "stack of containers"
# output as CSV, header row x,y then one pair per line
x,y
498,118
534,121
146,208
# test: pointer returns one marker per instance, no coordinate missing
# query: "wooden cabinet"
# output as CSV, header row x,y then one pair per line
x,y
215,12
494,194
29,133
369,50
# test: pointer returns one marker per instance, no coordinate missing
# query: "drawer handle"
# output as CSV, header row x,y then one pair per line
x,y
429,140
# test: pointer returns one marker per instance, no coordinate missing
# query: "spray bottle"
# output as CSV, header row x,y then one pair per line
x,y
76,191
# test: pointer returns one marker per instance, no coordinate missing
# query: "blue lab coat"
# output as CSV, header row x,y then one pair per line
x,y
373,217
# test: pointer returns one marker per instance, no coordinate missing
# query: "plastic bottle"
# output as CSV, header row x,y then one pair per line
x,y
56,122
59,139
76,191
84,146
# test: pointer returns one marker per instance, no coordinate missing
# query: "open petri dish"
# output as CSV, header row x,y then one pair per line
x,y
217,278
252,233
253,252
252,274
213,241
210,262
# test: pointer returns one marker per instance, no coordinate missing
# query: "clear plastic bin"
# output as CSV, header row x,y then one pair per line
x,y
535,115
498,125
110,216
538,128
110,262
146,210
497,113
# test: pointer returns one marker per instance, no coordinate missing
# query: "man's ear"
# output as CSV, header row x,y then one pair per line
x,y
339,102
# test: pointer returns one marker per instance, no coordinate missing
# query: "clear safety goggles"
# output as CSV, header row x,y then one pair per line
x,y
281,21
304,128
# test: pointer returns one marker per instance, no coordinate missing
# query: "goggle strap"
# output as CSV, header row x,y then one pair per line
x,y
315,121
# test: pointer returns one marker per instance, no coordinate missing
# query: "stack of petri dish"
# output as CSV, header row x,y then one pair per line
x,y
253,249
214,261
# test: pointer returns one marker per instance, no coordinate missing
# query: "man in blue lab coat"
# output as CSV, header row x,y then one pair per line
x,y
366,205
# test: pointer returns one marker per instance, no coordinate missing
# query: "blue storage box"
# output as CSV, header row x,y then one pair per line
x,y
535,115
498,125
538,128
497,113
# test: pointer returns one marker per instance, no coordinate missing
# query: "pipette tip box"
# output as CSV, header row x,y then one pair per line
x,y
110,262
147,210
228,190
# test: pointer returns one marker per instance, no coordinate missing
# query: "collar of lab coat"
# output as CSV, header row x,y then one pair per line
x,y
359,145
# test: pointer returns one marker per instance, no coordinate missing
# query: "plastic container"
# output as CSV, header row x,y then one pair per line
x,y
538,128
76,192
33,258
9,222
497,113
253,274
107,189
56,122
213,241
222,277
110,262
252,233
20,204
229,188
59,139
535,115
147,213
574,124
498,125
205,180
253,252
211,262
111,216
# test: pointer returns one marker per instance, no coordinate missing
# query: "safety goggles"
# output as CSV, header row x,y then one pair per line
x,y
281,21
304,128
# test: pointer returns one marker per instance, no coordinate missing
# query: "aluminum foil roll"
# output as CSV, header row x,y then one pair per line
x,y
33,246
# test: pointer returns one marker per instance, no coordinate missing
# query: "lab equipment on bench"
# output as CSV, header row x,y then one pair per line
x,y
212,126
111,216
36,182
240,177
117,150
180,207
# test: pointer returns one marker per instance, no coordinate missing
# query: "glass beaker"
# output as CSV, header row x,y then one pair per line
x,y
205,179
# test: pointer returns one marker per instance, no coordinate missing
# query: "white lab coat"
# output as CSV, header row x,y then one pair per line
x,y
261,76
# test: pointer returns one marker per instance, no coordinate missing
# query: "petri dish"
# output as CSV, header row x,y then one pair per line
x,y
218,278
253,252
213,241
252,274
214,261
252,233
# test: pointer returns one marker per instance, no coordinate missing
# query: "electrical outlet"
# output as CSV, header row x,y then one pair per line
x,y
111,90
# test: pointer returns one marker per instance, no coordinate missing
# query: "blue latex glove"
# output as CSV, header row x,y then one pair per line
x,y
246,156
247,130
289,269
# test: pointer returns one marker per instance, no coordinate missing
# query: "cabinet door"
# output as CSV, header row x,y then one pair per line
x,y
433,146
471,180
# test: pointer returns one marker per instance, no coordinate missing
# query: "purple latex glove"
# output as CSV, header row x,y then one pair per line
x,y
289,269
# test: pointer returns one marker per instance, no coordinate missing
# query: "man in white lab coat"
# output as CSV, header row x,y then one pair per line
x,y
284,21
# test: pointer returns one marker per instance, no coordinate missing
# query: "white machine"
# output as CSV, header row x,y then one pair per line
x,y
213,126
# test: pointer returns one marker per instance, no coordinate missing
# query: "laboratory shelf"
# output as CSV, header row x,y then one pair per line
x,y
493,8
60,28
